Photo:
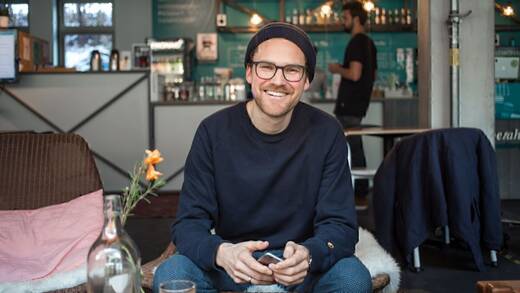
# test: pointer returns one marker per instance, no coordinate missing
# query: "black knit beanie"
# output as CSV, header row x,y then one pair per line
x,y
289,32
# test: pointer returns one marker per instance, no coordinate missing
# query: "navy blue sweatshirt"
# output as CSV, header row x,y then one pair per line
x,y
249,185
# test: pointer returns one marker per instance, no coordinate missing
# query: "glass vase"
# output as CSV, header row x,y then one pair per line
x,y
113,263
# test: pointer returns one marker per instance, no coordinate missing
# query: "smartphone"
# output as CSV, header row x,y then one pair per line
x,y
268,258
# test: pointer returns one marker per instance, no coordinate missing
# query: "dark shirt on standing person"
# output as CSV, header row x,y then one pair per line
x,y
354,96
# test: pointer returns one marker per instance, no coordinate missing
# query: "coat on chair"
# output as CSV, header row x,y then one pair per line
x,y
437,178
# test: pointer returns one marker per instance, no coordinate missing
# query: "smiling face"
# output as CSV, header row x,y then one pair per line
x,y
276,98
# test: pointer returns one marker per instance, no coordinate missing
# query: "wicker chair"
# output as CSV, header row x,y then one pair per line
x,y
379,282
38,170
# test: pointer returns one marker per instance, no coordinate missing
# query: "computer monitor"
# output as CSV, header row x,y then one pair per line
x,y
8,63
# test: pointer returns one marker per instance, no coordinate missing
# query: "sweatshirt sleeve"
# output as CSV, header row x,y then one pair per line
x,y
198,208
335,222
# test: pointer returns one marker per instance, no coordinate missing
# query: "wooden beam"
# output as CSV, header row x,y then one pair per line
x,y
500,8
246,10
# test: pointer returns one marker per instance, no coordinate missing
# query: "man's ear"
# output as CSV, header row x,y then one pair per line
x,y
307,83
249,74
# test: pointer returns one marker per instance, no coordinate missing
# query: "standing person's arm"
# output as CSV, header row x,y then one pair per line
x,y
357,51
353,72
335,222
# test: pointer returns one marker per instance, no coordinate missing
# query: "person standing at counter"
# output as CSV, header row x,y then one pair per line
x,y
268,175
358,73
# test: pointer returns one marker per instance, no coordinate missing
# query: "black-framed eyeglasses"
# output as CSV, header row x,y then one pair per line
x,y
267,70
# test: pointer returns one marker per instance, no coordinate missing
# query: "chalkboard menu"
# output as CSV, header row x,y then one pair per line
x,y
182,18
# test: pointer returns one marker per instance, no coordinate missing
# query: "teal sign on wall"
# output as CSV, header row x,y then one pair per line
x,y
507,100
186,18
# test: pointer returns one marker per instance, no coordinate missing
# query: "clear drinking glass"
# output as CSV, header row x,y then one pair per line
x,y
113,262
177,286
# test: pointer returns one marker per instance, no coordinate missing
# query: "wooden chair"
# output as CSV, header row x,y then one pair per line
x,y
379,282
38,170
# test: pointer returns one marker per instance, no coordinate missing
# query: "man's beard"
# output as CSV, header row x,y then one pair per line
x,y
347,29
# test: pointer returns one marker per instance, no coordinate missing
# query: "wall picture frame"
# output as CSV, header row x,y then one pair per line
x,y
207,46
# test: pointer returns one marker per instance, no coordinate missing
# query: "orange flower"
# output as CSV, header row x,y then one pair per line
x,y
153,157
151,173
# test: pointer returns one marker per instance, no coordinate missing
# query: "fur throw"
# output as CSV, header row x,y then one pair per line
x,y
377,260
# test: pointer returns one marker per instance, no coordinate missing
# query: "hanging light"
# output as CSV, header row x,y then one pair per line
x,y
368,5
508,10
326,10
255,19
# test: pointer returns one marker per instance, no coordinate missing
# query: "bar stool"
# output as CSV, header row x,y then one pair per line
x,y
359,173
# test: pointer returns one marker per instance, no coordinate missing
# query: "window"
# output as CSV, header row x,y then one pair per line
x,y
85,26
18,13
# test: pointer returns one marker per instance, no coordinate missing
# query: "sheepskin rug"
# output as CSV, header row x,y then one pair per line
x,y
377,260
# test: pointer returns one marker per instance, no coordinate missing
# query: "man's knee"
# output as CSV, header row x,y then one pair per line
x,y
350,275
176,267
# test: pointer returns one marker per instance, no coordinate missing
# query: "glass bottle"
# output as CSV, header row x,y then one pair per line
x,y
113,262
377,19
301,17
295,17
114,61
95,60
308,17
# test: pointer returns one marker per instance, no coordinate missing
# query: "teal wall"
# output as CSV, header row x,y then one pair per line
x,y
507,100
507,95
508,39
200,17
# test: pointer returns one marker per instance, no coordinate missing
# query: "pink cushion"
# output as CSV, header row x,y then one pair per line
x,y
37,243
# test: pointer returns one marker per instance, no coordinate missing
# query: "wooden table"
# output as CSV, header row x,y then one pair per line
x,y
387,134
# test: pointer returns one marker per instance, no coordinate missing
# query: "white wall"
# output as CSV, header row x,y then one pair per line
x,y
477,90
476,65
133,22
119,133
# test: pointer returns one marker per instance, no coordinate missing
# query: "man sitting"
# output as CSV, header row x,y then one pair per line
x,y
269,174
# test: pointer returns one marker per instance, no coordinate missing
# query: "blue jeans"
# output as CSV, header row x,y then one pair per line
x,y
347,275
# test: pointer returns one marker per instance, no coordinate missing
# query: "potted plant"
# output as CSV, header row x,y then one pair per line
x,y
4,16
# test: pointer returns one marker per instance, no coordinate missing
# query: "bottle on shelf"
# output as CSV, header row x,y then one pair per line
x,y
202,89
114,60
377,18
113,262
95,61
317,17
390,17
383,16
403,16
295,16
409,17
308,17
301,17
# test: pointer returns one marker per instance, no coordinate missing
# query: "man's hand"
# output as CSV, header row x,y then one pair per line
x,y
335,68
294,268
240,265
